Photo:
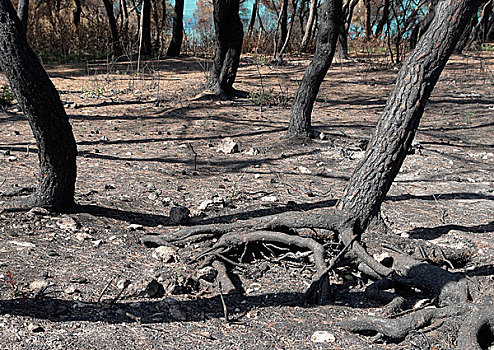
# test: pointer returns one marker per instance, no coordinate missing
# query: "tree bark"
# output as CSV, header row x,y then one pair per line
x,y
398,124
115,44
384,18
423,24
229,36
308,27
43,108
300,116
147,47
23,13
283,25
368,26
178,30
77,12
253,17
344,27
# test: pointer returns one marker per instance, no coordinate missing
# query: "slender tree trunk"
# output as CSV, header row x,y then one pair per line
x,y
76,14
283,25
147,47
398,124
384,19
23,13
345,26
43,108
116,47
368,26
423,24
253,17
229,36
308,27
300,116
178,29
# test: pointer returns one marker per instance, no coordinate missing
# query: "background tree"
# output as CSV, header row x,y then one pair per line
x,y
43,108
177,29
23,13
115,42
310,23
147,47
300,115
229,37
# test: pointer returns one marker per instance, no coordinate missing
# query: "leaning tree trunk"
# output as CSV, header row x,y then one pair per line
x,y
229,37
308,26
253,17
300,116
116,46
23,13
43,108
396,128
178,29
384,19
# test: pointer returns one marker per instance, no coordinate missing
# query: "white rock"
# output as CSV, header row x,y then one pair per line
x,y
322,337
228,146
37,285
135,227
166,254
304,170
269,199
204,205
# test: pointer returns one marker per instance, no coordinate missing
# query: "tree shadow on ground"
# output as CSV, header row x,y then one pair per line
x,y
435,232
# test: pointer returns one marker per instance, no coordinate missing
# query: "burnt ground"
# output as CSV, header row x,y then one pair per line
x,y
146,145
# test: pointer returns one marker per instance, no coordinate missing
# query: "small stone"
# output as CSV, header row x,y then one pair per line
x,y
228,146
166,254
135,227
122,284
35,328
153,196
323,136
207,273
97,243
304,170
71,290
204,205
82,236
154,289
6,152
270,199
104,139
38,285
323,337
177,313
179,215
253,151
12,158
68,223
38,211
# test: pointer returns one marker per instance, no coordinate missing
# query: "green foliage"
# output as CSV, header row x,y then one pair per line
x,y
6,95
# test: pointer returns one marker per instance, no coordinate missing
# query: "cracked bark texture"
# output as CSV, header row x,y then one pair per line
x,y
300,116
229,38
398,124
43,108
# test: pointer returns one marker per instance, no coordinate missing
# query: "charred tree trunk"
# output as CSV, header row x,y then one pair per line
x,y
77,12
23,13
300,116
423,24
344,27
368,26
253,17
115,44
396,128
147,47
177,29
229,37
384,19
308,27
283,25
43,108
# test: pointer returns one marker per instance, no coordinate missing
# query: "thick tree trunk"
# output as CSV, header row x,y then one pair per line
x,y
368,26
229,37
178,29
147,46
23,13
396,128
43,108
115,44
300,116
308,27
77,12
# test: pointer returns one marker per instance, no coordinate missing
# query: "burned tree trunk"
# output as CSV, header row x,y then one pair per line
x,y
147,46
43,108
300,116
344,27
76,14
229,37
23,13
177,29
384,18
308,27
115,44
396,128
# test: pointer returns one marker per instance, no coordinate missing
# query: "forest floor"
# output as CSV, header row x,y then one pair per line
x,y
146,145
